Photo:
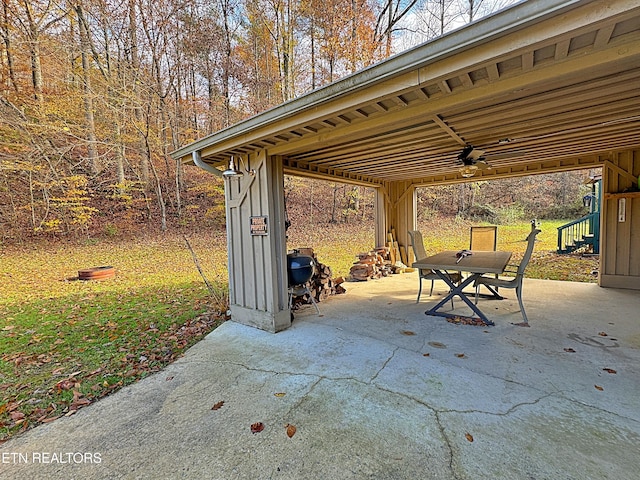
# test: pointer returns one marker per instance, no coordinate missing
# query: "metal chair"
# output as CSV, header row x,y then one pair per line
x,y
512,282
417,243
484,239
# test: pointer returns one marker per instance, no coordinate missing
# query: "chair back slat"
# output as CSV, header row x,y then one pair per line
x,y
484,238
418,244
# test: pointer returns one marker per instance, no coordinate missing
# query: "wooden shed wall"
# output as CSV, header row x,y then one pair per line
x,y
620,236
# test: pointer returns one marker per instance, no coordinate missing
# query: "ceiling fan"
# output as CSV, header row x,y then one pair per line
x,y
472,159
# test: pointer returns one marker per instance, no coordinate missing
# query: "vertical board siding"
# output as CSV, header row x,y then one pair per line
x,y
401,209
380,209
620,252
257,263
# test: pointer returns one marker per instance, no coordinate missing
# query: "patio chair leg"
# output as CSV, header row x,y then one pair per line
x,y
419,291
431,291
519,295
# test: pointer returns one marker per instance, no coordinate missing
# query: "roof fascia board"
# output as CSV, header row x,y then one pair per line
x,y
482,31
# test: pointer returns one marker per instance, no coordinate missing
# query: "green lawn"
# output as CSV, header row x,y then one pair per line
x,y
65,343
336,245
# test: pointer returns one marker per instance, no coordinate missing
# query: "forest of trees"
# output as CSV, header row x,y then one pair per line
x,y
95,94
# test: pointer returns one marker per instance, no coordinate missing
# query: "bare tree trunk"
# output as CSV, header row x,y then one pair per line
x,y
119,155
312,34
33,201
135,71
87,98
461,198
226,65
163,206
34,51
335,203
311,206
4,31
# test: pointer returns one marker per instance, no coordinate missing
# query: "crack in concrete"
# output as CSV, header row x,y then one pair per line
x,y
447,443
386,362
560,393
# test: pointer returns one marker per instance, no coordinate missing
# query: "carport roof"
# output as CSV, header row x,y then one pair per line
x,y
546,85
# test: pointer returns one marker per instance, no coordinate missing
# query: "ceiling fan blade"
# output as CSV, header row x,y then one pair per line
x,y
507,155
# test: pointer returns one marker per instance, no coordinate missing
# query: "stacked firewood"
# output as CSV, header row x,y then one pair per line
x,y
322,284
370,265
383,261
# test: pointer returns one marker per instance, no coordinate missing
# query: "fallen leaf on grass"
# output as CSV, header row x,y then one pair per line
x,y
218,405
16,415
609,370
569,350
65,385
291,430
469,437
598,387
79,400
257,427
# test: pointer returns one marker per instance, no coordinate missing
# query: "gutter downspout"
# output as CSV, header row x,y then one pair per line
x,y
197,160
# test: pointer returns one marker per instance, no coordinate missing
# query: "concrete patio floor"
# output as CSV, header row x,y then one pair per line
x,y
376,390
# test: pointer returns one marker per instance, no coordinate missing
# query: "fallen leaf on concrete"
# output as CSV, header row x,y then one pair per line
x,y
609,370
49,419
218,405
460,355
426,354
569,350
280,394
407,332
458,320
437,345
257,427
598,387
291,430
603,334
469,437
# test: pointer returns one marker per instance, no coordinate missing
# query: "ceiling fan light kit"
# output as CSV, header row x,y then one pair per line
x,y
468,171
470,157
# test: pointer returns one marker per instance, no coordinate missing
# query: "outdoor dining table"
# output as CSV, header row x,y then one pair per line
x,y
476,263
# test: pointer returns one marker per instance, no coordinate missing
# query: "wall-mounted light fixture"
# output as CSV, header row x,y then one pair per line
x,y
234,172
